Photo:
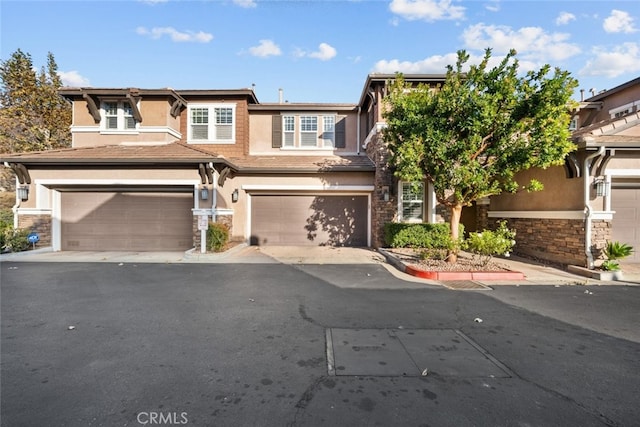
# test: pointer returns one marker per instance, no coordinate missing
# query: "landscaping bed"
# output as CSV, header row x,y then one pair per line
x,y
466,268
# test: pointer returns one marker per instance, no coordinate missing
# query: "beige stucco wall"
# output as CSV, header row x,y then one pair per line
x,y
156,123
560,193
617,163
260,133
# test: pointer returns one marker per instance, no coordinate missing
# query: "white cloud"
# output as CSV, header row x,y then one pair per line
x,y
153,2
623,59
531,43
73,79
619,22
247,4
265,49
427,10
493,6
433,65
175,35
325,52
564,18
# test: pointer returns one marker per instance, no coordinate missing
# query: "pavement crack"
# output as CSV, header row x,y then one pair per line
x,y
304,400
602,417
302,310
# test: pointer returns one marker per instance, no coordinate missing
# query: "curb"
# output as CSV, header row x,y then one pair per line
x,y
195,254
451,275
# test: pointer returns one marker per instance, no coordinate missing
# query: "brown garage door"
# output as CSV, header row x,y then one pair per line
x,y
309,220
626,220
126,221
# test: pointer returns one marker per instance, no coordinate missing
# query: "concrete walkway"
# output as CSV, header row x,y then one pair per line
x,y
535,273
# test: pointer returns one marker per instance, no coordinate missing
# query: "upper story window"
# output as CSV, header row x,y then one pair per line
x,y
412,201
212,123
328,131
118,116
308,131
573,124
288,130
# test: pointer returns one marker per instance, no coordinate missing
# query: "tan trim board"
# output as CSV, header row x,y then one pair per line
x,y
550,214
269,187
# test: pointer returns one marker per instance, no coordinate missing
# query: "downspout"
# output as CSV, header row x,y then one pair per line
x,y
587,206
15,207
214,194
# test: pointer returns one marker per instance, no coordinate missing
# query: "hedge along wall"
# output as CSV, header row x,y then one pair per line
x,y
556,240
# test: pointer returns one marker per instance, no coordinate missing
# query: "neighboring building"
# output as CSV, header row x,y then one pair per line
x,y
595,197
146,165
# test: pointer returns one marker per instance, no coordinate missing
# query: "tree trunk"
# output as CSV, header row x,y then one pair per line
x,y
456,213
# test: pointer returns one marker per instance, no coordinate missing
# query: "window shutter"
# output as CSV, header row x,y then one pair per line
x,y
340,132
276,131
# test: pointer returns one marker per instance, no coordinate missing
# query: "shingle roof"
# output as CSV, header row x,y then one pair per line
x,y
298,164
167,153
177,152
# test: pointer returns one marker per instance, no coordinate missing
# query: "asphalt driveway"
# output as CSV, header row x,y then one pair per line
x,y
110,344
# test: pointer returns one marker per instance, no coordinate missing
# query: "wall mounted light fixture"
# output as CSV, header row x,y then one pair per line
x,y
602,187
234,196
23,193
385,193
204,193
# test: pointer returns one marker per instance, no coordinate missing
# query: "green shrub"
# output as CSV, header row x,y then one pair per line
x,y
15,240
615,251
431,237
487,243
217,236
6,227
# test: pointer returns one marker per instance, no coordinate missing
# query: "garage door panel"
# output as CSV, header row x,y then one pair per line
x,y
126,221
626,220
309,220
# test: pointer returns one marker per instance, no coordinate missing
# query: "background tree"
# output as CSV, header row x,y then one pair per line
x,y
473,134
33,116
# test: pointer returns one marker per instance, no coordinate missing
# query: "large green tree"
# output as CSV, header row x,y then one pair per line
x,y
33,116
470,136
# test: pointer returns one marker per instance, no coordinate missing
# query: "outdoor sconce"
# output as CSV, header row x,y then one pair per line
x,y
385,193
204,193
234,196
23,193
602,188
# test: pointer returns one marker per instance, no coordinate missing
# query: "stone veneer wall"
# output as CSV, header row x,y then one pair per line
x,y
381,211
222,219
557,240
40,224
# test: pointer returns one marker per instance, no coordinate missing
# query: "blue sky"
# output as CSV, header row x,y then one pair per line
x,y
316,50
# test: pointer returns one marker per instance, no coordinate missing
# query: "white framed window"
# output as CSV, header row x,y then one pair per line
x,y
118,116
288,131
573,124
411,201
212,124
308,131
328,131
